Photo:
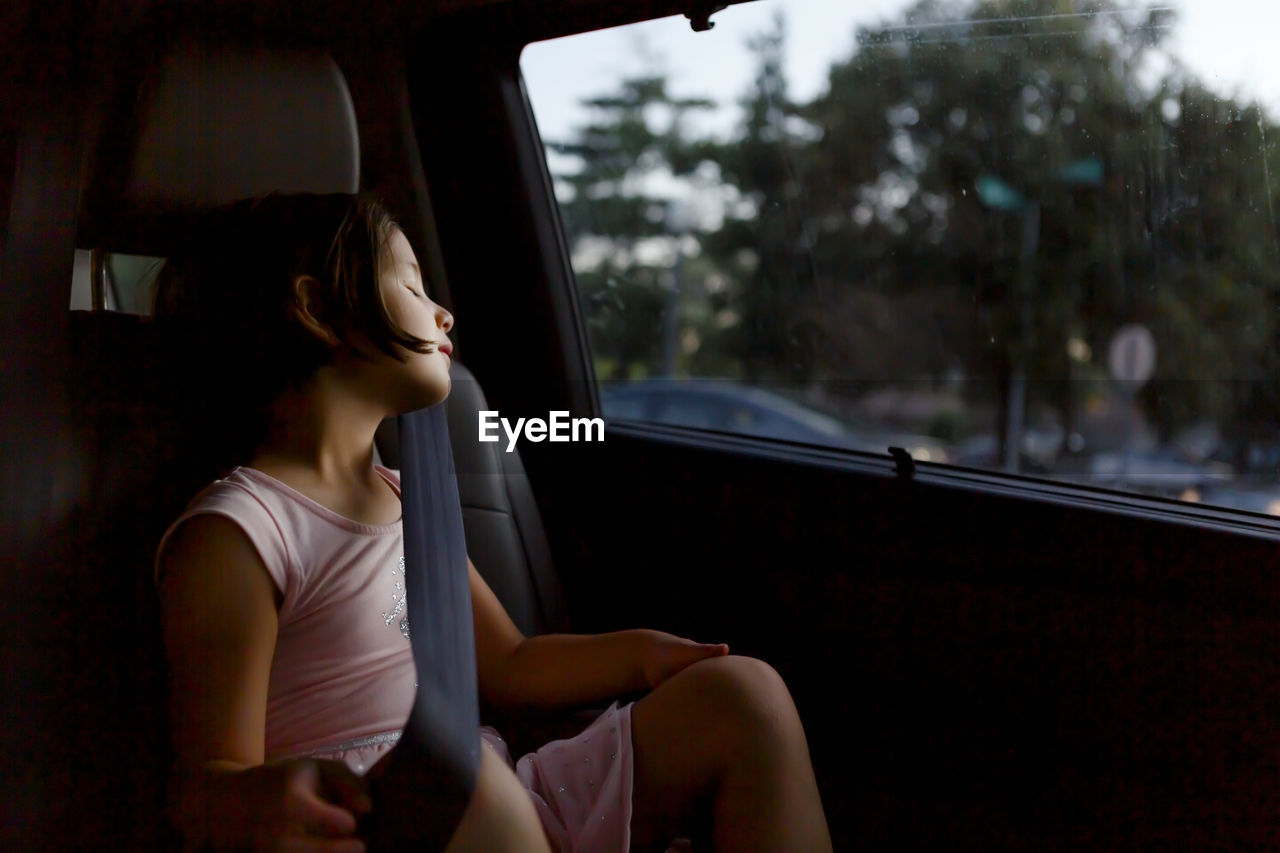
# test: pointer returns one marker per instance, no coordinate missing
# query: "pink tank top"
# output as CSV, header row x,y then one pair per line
x,y
342,676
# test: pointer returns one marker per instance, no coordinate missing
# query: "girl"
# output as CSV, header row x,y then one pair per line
x,y
291,673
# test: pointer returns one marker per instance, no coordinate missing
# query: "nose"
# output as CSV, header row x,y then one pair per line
x,y
444,318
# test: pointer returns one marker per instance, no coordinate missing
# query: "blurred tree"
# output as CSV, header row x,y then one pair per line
x,y
764,251
983,188
920,276
613,217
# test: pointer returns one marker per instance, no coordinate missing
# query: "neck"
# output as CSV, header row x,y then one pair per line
x,y
323,428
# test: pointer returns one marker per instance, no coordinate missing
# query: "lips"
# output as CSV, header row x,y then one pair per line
x,y
446,348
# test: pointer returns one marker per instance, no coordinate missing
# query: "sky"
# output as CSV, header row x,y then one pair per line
x,y
1229,44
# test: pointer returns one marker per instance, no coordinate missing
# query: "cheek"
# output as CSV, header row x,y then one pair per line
x,y
397,309
412,316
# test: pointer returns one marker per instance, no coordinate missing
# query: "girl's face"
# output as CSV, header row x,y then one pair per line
x,y
423,379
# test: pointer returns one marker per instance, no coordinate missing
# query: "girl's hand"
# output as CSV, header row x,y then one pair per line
x,y
662,655
303,805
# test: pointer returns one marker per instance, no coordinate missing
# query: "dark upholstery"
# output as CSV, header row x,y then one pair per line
x,y
193,144
209,123
118,750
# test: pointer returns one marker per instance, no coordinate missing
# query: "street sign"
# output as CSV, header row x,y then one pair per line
x,y
1086,172
1132,356
996,193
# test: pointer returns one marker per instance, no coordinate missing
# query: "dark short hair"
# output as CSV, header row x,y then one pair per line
x,y
225,295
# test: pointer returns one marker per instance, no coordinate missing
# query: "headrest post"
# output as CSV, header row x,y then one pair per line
x,y
97,279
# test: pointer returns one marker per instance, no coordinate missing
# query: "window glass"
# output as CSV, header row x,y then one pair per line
x,y
629,408
128,282
1029,236
686,410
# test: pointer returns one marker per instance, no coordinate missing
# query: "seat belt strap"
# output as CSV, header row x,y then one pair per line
x,y
432,771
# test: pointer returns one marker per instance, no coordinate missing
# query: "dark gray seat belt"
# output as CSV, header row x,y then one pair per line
x,y
419,800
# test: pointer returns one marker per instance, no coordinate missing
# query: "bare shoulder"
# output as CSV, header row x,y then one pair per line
x,y
208,554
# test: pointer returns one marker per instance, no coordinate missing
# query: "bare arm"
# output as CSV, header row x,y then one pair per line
x,y
218,612
218,606
557,671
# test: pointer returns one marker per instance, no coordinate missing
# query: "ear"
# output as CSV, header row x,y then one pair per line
x,y
309,309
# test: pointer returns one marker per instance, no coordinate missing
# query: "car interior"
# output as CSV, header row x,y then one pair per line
x,y
981,662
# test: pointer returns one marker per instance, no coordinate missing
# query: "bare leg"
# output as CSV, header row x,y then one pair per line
x,y
720,752
500,816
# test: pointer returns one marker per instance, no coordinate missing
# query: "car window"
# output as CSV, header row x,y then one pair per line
x,y
1028,237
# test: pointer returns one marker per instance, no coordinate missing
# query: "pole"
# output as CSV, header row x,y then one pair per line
x,y
1017,402
671,319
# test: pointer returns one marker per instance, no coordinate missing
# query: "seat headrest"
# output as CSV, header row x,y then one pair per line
x,y
222,122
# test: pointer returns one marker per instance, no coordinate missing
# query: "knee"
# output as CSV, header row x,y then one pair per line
x,y
749,699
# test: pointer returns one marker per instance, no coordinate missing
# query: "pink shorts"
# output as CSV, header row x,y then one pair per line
x,y
581,786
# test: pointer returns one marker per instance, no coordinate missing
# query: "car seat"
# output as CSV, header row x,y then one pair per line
x,y
506,541
127,430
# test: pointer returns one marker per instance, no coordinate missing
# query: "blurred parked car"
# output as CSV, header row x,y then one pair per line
x,y
1039,452
1264,499
748,410
1161,471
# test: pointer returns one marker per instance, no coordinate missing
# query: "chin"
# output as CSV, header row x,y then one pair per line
x,y
425,398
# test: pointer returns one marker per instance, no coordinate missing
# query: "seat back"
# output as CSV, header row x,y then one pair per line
x,y
114,751
111,750
141,462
